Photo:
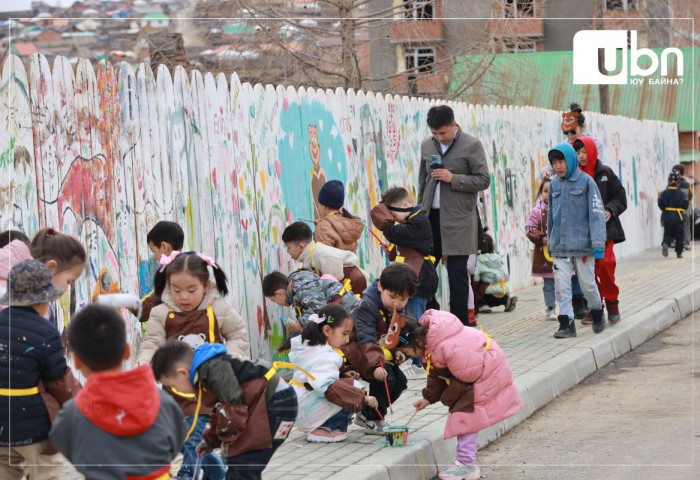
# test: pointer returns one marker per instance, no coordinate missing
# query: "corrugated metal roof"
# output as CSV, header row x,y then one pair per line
x,y
545,79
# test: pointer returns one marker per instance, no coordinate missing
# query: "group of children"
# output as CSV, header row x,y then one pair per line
x,y
573,227
346,335
347,341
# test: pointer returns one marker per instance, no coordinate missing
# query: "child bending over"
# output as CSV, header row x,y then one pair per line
x,y
469,374
328,400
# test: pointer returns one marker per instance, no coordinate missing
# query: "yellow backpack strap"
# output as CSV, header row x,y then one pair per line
x,y
347,287
196,411
181,394
488,338
212,321
277,365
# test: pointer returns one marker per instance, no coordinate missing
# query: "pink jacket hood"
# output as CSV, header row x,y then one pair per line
x,y
10,255
472,357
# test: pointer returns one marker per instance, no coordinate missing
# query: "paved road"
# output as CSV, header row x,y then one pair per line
x,y
634,419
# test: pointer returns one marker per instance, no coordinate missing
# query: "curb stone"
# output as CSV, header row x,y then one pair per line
x,y
428,451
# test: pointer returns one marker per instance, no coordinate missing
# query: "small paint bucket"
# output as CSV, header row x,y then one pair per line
x,y
396,436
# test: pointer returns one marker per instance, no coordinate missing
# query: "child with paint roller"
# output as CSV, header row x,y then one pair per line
x,y
330,394
468,372
536,232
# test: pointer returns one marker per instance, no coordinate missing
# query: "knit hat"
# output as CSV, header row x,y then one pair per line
x,y
30,282
332,194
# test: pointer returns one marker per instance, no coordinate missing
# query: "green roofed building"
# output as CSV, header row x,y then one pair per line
x,y
545,79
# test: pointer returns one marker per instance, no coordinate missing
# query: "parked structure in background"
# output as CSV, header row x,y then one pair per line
x,y
419,47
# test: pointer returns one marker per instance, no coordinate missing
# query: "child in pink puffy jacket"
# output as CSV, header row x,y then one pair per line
x,y
468,372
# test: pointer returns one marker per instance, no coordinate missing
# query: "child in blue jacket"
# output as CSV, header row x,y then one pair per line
x,y
575,232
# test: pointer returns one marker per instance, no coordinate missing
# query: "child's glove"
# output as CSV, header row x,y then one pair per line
x,y
204,449
598,253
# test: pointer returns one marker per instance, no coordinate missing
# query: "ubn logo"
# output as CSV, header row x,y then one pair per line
x,y
587,43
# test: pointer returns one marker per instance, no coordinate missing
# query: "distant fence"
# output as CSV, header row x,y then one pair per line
x,y
104,154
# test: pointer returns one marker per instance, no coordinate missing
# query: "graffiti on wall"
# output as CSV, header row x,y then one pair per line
x,y
104,152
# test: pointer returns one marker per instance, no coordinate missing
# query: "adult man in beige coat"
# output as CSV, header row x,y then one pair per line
x,y
448,187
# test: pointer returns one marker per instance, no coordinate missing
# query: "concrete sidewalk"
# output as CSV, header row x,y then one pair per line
x,y
655,293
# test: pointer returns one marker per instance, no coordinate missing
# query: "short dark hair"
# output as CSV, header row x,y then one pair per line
x,y
168,232
578,144
335,317
97,335
168,355
273,282
399,278
395,195
555,154
679,168
297,232
440,116
8,235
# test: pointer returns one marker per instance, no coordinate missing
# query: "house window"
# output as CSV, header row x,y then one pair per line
x,y
518,8
420,59
419,9
612,5
519,47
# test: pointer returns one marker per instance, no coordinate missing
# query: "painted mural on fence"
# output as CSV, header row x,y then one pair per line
x,y
104,152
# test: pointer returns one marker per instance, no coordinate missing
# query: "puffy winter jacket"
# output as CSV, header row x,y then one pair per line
x,y
339,231
30,351
474,358
611,190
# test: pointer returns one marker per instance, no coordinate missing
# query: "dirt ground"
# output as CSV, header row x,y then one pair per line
x,y
632,420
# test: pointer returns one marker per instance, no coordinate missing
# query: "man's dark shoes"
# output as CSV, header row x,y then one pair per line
x,y
567,327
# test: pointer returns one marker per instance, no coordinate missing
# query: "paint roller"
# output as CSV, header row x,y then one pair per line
x,y
121,300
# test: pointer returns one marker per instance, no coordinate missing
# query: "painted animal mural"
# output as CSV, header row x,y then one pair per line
x,y
105,152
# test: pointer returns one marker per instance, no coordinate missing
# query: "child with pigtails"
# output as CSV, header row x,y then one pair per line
x,y
191,286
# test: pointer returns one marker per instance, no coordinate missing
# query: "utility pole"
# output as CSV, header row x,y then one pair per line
x,y
602,89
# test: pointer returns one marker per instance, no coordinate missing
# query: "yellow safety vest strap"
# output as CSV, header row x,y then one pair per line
x,y
19,392
388,356
181,394
148,294
679,210
277,365
429,257
294,382
212,320
196,411
347,287
502,284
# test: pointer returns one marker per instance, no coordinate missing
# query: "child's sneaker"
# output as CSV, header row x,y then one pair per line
x,y
459,471
588,319
412,371
370,427
664,250
551,314
323,435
